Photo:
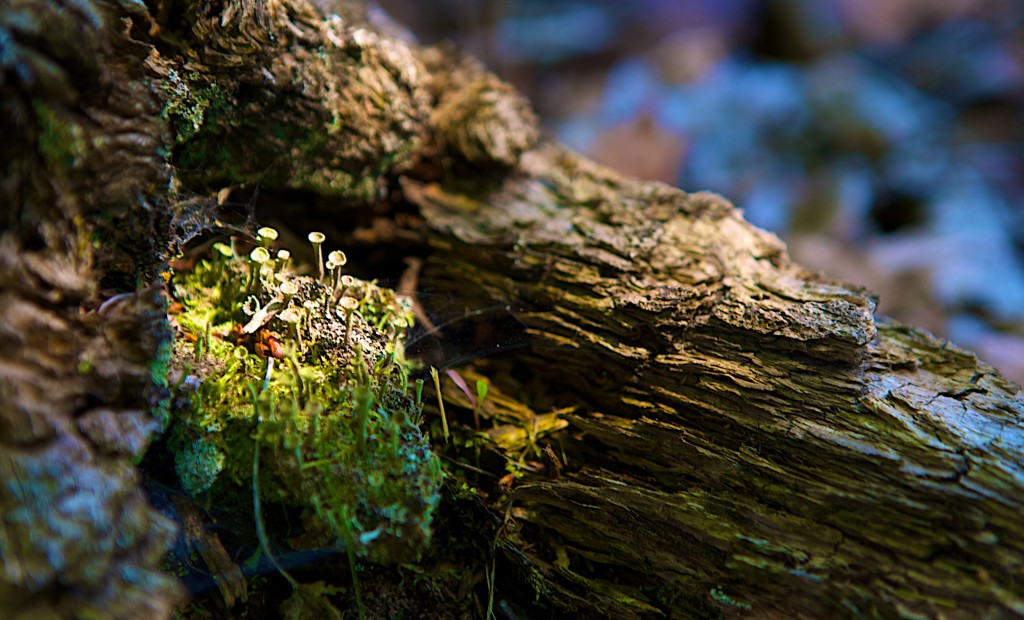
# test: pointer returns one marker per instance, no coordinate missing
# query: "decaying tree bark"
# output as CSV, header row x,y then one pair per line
x,y
81,384
746,438
751,435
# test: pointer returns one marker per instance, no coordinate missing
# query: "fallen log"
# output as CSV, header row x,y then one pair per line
x,y
745,437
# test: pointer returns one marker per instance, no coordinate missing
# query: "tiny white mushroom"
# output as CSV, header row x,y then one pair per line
x,y
397,325
348,306
265,263
288,289
223,249
335,261
259,255
266,236
292,315
338,258
317,239
345,282
282,258
310,307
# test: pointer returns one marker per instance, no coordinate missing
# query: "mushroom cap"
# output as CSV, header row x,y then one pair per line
x,y
290,315
223,248
259,255
338,258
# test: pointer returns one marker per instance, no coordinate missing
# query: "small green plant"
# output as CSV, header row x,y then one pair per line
x,y
299,398
440,401
481,394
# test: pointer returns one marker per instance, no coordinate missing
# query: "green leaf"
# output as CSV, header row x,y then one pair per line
x,y
481,392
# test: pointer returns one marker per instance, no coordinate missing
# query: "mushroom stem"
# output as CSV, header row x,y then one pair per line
x,y
317,239
348,306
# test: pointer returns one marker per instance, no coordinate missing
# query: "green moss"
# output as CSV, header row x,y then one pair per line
x,y
338,429
189,104
335,182
158,369
198,463
61,142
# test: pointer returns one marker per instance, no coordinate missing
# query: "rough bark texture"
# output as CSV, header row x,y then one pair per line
x,y
746,438
81,385
749,435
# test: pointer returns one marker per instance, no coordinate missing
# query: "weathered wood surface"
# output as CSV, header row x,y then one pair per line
x,y
745,426
748,440
80,383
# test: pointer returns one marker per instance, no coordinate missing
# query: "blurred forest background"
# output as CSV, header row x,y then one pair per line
x,y
882,139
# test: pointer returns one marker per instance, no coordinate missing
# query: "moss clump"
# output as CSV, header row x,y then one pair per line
x,y
198,463
189,103
305,382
